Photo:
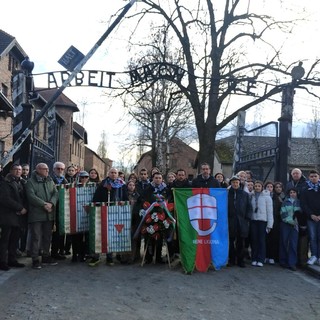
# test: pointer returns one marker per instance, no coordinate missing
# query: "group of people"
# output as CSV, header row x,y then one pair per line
x,y
28,218
274,223
267,222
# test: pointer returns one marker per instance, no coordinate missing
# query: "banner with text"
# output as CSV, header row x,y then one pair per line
x,y
202,221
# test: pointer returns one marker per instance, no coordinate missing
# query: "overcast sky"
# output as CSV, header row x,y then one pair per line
x,y
46,29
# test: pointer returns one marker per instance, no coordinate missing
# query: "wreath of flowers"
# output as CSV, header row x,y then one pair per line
x,y
156,218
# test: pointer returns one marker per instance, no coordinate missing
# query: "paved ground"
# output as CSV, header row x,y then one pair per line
x,y
77,291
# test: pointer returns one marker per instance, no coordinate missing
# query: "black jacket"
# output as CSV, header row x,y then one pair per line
x,y
177,184
116,194
200,182
310,202
12,200
239,213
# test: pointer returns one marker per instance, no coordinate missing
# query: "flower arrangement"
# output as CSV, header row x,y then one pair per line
x,y
157,220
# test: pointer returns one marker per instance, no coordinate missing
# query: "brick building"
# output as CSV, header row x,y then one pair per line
x,y
67,139
11,56
93,160
180,156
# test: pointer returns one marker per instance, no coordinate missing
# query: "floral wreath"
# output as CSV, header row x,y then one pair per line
x,y
156,218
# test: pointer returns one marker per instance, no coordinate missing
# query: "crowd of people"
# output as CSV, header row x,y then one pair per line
x,y
267,221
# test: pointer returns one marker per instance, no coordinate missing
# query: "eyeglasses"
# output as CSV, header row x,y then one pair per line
x,y
84,177
59,168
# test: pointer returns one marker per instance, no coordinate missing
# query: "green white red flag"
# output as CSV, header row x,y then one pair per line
x,y
73,217
109,228
202,222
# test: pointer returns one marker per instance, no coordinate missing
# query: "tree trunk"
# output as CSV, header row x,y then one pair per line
x,y
206,147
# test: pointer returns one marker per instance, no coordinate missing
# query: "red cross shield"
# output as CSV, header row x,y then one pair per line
x,y
202,209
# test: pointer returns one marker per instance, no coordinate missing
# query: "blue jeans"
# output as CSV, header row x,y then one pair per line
x,y
288,245
314,237
258,240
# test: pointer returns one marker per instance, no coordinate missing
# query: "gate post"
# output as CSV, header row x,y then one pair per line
x,y
285,123
238,143
285,131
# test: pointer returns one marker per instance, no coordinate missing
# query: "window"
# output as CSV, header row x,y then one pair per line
x,y
4,90
13,64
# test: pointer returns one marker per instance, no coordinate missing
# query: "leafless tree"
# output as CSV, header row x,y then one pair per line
x,y
159,107
102,147
312,129
224,48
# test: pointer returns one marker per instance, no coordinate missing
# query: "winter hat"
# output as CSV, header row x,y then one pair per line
x,y
83,174
234,178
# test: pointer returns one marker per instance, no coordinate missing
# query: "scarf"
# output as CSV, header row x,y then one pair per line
x,y
158,188
59,180
116,184
312,186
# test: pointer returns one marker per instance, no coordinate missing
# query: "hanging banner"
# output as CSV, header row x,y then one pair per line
x,y
109,228
73,201
202,227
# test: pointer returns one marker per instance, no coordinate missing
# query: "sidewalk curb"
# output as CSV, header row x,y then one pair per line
x,y
313,270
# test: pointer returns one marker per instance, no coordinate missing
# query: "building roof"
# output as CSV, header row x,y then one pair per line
x,y
175,143
9,43
96,155
304,151
62,100
80,131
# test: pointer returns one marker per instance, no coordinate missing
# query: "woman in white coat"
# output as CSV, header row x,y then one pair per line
x,y
261,223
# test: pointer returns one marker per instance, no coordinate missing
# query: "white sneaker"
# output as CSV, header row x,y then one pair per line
x,y
271,261
259,264
254,263
312,260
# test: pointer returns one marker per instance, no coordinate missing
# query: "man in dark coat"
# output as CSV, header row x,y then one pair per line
x,y
181,181
239,212
205,179
12,211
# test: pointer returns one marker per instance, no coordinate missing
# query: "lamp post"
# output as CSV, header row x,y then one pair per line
x,y
285,124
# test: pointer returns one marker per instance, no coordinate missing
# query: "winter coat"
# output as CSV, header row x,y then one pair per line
x,y
12,201
300,185
176,184
117,193
200,182
262,208
289,210
40,190
239,213
151,192
310,202
277,200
